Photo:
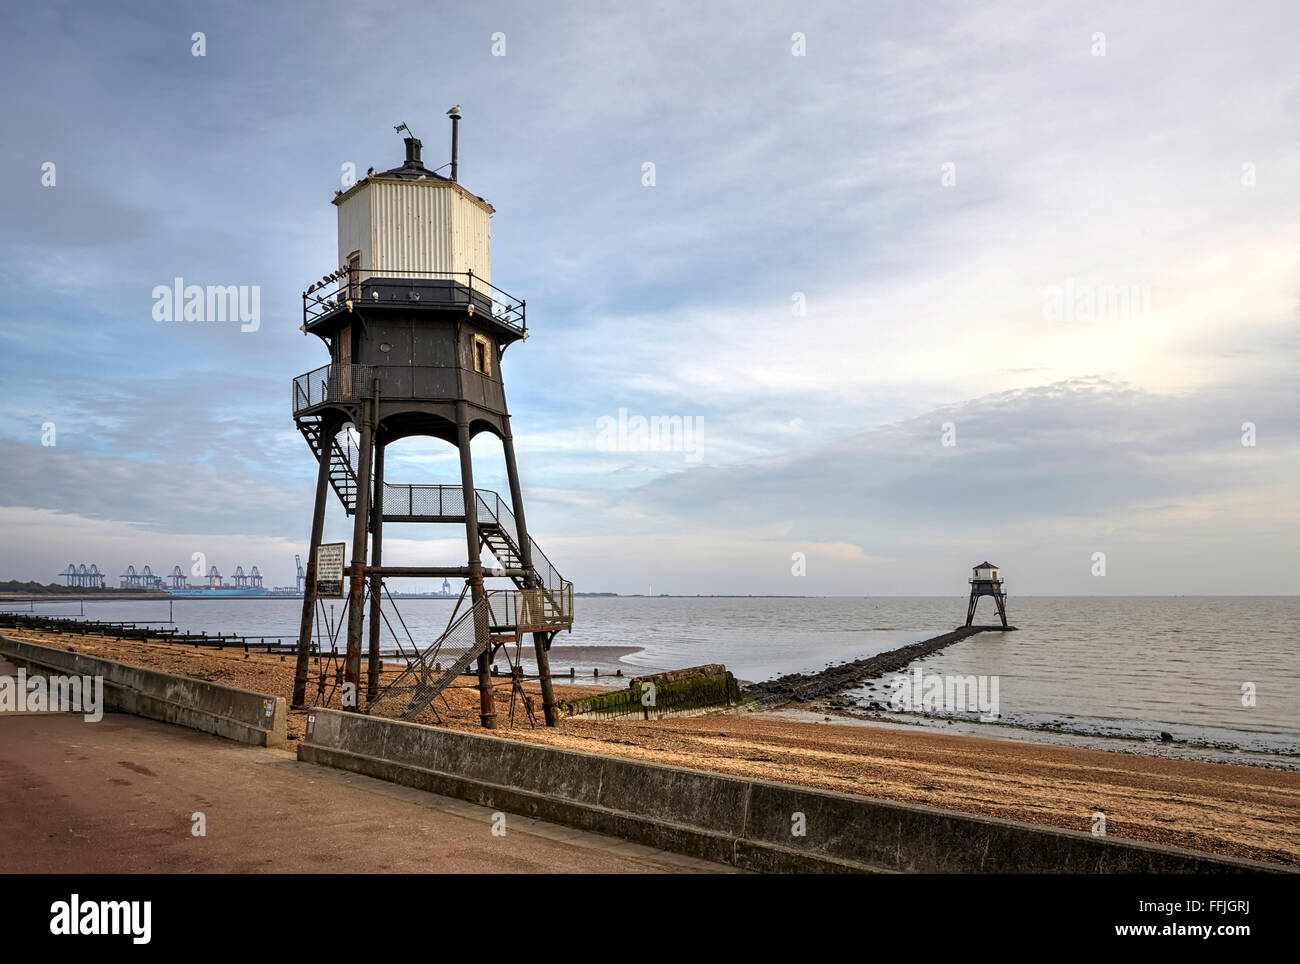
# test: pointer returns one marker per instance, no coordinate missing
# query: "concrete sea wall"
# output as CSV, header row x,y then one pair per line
x,y
236,714
750,824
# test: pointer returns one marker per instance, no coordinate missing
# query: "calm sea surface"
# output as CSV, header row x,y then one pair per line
x,y
1107,667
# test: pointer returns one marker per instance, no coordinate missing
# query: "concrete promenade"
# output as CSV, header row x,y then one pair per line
x,y
118,796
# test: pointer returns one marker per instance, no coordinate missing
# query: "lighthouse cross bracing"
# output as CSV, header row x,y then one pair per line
x,y
416,333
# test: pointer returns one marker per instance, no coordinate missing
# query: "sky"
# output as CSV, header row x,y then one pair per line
x,y
931,284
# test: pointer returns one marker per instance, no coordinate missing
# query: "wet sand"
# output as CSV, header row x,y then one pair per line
x,y
1238,811
607,660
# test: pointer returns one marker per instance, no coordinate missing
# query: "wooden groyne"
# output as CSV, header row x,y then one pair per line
x,y
801,687
148,632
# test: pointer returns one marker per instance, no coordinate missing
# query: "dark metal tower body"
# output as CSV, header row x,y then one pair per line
x,y
985,580
416,334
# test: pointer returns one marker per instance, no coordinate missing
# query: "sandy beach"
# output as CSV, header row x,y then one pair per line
x,y
1239,811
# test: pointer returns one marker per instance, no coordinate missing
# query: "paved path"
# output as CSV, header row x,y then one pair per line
x,y
119,795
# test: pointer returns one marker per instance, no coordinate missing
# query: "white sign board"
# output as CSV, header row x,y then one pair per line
x,y
329,570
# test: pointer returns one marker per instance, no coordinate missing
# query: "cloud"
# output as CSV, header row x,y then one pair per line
x,y
1038,475
776,175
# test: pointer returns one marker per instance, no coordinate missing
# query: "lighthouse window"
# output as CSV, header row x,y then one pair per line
x,y
354,275
482,355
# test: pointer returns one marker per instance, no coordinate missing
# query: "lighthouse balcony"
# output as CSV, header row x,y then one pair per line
x,y
331,384
358,288
344,385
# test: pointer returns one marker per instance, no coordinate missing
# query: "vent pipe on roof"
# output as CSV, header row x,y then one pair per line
x,y
413,146
455,130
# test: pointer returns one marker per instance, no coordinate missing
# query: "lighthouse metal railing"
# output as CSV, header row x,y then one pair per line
x,y
416,502
411,288
331,383
449,655
446,503
525,611
492,620
325,384
492,509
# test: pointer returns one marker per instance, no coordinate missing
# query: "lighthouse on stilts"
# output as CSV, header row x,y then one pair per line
x,y
416,332
985,580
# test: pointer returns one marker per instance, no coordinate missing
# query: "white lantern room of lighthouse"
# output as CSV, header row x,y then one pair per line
x,y
413,227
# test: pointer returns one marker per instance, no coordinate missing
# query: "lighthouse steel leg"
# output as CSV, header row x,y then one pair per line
x,y
487,703
540,640
356,613
328,429
376,581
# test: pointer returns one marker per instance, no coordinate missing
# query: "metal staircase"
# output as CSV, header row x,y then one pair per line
x,y
496,619
448,657
542,601
343,459
500,535
498,532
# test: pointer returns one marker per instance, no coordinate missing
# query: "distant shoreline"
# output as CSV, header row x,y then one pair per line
x,y
62,594
82,595
953,595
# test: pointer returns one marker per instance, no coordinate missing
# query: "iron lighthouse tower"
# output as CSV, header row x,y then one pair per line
x,y
986,580
415,332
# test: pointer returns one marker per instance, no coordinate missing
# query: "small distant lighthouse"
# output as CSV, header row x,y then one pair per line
x,y
985,580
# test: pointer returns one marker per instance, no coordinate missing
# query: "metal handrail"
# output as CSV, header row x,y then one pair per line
x,y
527,610
419,684
330,383
551,578
361,285
447,502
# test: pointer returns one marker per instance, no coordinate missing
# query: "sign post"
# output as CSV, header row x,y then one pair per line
x,y
329,569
